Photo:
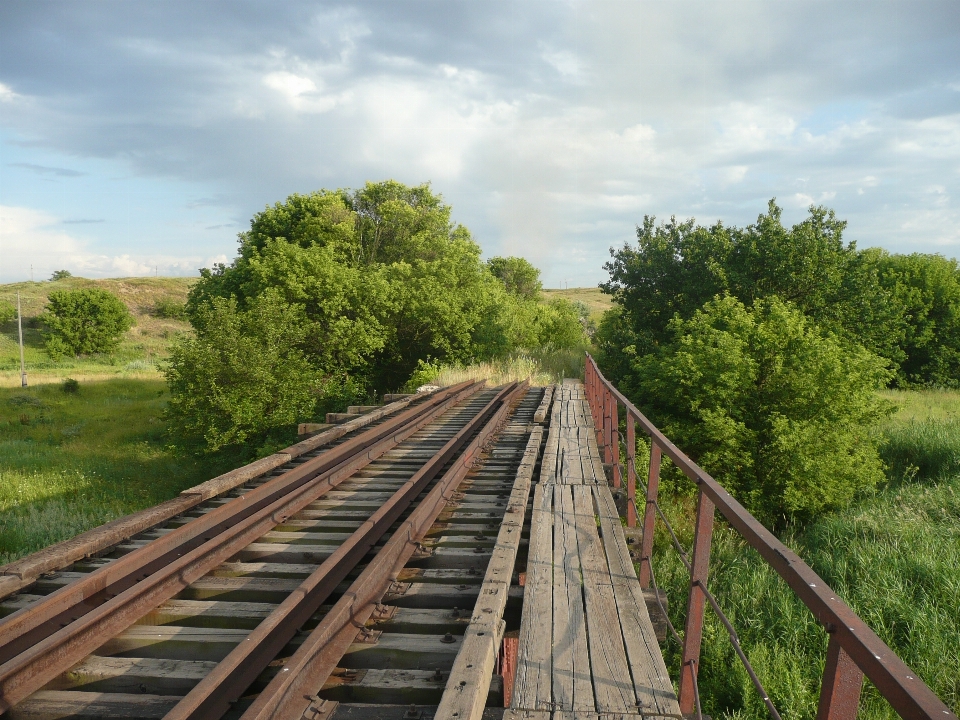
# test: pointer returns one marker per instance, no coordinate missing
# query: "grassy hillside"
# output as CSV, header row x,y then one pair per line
x,y
142,347
595,300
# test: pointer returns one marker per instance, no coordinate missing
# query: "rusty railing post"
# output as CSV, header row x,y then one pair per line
x,y
842,681
606,426
650,515
631,472
615,442
696,603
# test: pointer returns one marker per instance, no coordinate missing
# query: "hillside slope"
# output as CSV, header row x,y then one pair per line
x,y
144,344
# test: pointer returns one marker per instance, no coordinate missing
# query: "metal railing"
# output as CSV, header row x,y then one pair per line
x,y
853,649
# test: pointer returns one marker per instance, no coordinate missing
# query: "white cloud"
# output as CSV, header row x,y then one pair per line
x,y
32,241
6,93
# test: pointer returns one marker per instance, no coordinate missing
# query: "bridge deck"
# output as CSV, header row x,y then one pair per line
x,y
587,645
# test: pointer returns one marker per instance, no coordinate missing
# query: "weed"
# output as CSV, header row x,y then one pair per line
x,y
70,386
87,459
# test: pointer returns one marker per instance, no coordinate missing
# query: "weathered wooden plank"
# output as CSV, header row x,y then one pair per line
x,y
78,705
440,595
534,657
403,651
613,686
393,686
543,410
133,675
572,688
468,687
652,686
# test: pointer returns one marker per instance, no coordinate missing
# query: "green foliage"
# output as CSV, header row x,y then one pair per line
x,y
381,280
926,291
894,558
780,413
84,321
86,459
70,386
518,276
170,309
61,275
426,372
244,374
8,311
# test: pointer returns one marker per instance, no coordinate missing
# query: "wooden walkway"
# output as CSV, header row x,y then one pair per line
x,y
587,646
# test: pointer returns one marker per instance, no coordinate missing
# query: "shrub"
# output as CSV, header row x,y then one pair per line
x,y
7,311
243,374
70,386
61,275
80,322
170,309
783,415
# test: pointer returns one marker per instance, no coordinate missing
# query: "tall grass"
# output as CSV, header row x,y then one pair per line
x,y
71,461
540,367
893,557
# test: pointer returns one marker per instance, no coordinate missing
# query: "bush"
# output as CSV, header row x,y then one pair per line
x,y
80,322
170,309
243,375
70,386
61,275
7,311
783,415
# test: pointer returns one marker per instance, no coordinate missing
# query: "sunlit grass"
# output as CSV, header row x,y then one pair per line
x,y
69,462
894,557
540,367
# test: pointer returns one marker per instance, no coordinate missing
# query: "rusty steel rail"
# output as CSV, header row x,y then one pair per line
x,y
853,650
40,641
215,694
289,694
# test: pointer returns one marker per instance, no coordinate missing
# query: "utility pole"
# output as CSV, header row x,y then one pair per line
x,y
23,371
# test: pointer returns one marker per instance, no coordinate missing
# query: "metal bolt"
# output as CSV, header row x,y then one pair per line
x,y
448,639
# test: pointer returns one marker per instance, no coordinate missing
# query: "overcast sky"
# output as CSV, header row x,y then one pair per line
x,y
141,137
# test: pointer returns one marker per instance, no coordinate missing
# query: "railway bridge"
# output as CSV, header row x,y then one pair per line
x,y
465,553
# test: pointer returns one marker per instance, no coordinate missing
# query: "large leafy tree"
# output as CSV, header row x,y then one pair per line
x,y
676,267
365,285
780,412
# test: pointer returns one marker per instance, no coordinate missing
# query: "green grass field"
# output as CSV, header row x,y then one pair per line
x,y
143,346
893,557
69,462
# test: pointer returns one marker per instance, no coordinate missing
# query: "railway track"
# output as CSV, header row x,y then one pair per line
x,y
344,582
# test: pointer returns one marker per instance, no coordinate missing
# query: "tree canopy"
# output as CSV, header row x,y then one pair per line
x,y
893,305
759,348
378,280
778,411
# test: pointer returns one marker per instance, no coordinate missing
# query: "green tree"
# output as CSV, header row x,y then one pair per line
x,y
926,291
779,412
517,275
383,280
678,266
80,322
61,275
244,373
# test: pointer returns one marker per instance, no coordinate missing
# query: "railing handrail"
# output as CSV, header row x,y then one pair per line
x,y
901,687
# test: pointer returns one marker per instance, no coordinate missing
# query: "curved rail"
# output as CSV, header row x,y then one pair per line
x,y
853,650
